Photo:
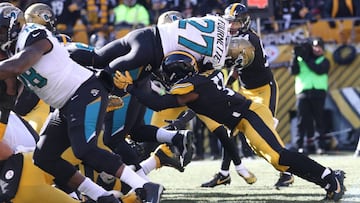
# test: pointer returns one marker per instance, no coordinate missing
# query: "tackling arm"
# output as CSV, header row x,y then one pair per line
x,y
153,100
23,60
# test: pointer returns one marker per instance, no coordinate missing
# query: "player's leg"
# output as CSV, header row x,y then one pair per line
x,y
258,127
230,153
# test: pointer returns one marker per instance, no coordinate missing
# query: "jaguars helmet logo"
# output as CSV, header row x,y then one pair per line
x,y
241,52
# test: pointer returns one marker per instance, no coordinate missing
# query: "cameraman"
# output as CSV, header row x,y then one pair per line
x,y
310,68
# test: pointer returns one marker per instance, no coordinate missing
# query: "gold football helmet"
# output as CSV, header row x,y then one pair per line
x,y
242,53
41,14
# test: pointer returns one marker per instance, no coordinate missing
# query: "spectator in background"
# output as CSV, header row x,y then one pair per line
x,y
341,9
67,13
22,4
210,6
310,68
99,18
157,8
315,7
132,14
292,13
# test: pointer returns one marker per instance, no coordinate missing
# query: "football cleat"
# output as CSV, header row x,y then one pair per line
x,y
183,141
337,194
165,157
249,180
153,192
285,180
108,199
218,179
131,197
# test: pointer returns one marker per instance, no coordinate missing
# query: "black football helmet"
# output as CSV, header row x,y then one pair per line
x,y
238,12
178,65
41,14
11,21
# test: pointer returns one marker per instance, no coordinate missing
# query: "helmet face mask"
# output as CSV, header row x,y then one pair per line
x,y
238,15
11,21
41,14
176,66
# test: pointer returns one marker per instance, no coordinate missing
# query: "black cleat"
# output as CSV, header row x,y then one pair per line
x,y
167,158
285,180
183,141
338,193
108,199
153,192
218,179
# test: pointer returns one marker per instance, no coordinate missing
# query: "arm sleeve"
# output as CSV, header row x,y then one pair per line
x,y
82,56
35,36
294,68
26,102
152,100
319,65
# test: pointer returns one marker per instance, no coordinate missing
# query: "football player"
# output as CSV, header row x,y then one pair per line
x,y
76,90
203,91
219,130
204,37
17,143
248,64
114,136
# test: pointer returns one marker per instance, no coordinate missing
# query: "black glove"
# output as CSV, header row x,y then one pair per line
x,y
180,122
7,101
6,105
206,66
106,79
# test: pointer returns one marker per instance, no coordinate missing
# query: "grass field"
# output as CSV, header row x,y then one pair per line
x,y
185,187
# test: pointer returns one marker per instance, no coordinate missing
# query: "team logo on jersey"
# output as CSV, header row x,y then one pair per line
x,y
94,92
236,114
9,174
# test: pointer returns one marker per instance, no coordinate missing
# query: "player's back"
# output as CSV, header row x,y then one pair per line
x,y
200,36
214,99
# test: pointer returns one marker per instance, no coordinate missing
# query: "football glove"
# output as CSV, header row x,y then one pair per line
x,y
181,121
114,103
122,81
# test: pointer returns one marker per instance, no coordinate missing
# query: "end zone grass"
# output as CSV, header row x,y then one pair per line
x,y
185,187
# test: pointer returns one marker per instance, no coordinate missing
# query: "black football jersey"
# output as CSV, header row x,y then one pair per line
x,y
215,100
258,72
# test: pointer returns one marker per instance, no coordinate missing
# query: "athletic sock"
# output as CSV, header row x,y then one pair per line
x,y
91,189
131,178
163,135
242,170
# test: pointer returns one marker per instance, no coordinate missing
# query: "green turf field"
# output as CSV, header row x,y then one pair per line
x,y
185,187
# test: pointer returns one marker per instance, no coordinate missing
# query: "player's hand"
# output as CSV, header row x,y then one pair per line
x,y
114,103
175,124
122,81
